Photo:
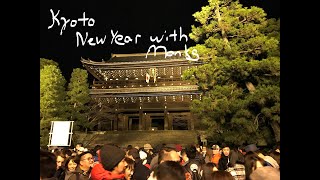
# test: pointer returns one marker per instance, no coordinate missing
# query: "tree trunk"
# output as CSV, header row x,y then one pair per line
x,y
276,130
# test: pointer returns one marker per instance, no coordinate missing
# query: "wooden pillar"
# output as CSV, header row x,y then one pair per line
x,y
193,119
120,122
190,122
116,121
170,121
125,123
130,124
140,117
166,124
144,121
148,121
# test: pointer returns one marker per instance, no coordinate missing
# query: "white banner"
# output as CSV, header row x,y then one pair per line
x,y
60,133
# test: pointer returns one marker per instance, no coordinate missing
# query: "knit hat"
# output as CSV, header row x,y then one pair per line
x,y
110,156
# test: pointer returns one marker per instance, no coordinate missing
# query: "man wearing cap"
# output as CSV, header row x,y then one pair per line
x,y
112,164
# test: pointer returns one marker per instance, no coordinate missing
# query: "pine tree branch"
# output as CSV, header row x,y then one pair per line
x,y
249,51
256,122
233,36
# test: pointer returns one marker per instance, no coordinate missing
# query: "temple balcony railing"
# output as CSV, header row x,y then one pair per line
x,y
187,88
135,83
148,99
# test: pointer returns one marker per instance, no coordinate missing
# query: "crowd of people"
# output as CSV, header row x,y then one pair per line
x,y
161,162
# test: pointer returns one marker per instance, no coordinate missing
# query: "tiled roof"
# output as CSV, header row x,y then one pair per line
x,y
142,57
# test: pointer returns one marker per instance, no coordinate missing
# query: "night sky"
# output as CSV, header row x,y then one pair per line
x,y
129,18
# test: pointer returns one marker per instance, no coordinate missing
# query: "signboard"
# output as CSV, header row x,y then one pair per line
x,y
60,133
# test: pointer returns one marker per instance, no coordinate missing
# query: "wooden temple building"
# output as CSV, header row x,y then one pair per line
x,y
147,93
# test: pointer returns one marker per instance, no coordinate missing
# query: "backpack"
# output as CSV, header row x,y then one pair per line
x,y
193,167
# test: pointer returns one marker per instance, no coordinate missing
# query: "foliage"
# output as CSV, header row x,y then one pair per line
x,y
52,92
45,62
78,98
240,78
52,98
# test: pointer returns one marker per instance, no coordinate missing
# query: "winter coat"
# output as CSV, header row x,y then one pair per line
x,y
99,173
